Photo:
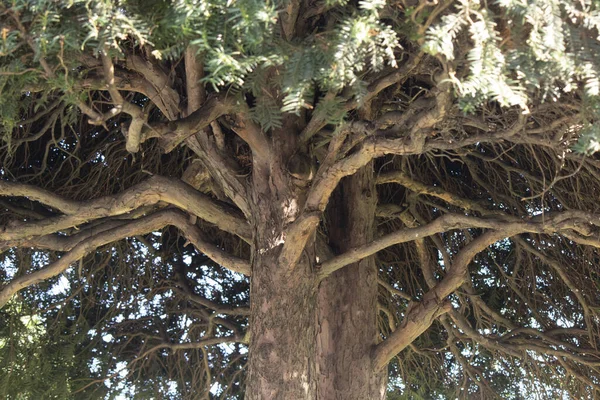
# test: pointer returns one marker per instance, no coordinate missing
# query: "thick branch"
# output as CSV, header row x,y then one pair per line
x,y
288,18
55,242
420,317
167,101
138,117
149,192
510,226
256,139
141,226
43,196
417,320
299,232
329,176
222,168
442,224
373,147
375,144
171,134
194,71
137,227
153,74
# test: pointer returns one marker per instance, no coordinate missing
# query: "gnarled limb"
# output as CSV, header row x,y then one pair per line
x,y
417,320
164,94
328,178
138,116
136,227
152,191
212,159
222,168
130,81
173,133
57,242
421,315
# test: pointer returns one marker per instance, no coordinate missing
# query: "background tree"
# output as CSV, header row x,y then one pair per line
x,y
299,199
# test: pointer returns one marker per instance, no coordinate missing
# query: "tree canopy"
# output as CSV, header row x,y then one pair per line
x,y
156,153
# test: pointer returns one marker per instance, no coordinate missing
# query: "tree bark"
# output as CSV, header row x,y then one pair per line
x,y
312,340
347,308
281,364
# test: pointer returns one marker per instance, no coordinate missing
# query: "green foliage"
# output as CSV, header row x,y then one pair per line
x,y
267,113
38,359
543,50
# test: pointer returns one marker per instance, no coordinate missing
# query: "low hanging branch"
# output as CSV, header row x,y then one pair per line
x,y
151,191
140,226
549,224
421,315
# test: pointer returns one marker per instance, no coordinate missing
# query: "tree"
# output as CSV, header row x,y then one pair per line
x,y
299,199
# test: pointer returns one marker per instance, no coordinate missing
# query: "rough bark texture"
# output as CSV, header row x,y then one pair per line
x,y
311,341
282,346
347,312
283,306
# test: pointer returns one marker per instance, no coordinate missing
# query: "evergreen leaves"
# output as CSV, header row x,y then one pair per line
x,y
543,50
235,38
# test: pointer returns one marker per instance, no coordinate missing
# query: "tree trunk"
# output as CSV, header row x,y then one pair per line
x,y
282,323
347,312
309,340
283,300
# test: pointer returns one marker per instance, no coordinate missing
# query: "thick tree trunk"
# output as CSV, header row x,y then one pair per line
x,y
309,340
347,312
282,343
283,300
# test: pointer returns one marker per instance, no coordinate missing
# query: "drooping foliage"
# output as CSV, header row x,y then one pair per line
x,y
511,87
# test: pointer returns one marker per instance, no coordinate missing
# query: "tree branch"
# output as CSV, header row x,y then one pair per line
x,y
138,116
421,315
171,134
403,179
137,227
417,320
318,120
194,71
56,242
157,82
288,17
327,179
167,103
140,226
252,134
223,169
508,227
194,345
149,192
